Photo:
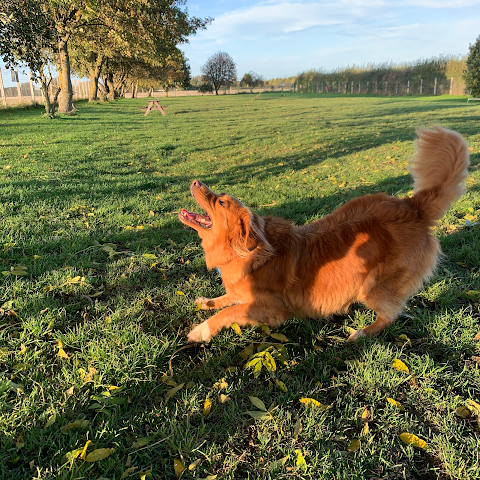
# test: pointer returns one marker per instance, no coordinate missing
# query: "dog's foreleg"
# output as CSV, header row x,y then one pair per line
x,y
243,314
375,328
216,303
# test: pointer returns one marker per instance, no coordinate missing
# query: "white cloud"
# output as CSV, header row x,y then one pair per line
x,y
441,3
283,37
264,20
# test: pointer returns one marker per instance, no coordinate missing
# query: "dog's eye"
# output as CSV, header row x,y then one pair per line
x,y
221,202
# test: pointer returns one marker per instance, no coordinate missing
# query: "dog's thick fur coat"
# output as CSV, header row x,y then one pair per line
x,y
376,249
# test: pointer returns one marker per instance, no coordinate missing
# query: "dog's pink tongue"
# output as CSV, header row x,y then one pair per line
x,y
186,213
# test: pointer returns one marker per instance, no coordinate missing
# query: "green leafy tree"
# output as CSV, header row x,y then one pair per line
x,y
472,73
219,69
27,39
252,80
143,29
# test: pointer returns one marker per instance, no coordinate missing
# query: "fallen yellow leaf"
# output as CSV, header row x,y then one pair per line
x,y
396,404
463,412
353,445
50,421
236,328
207,406
76,424
413,440
173,391
312,403
179,467
400,366
83,453
99,454
280,385
62,354
300,462
280,337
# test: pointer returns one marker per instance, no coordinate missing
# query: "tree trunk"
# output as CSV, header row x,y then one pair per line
x,y
166,91
94,76
46,96
65,99
111,86
102,92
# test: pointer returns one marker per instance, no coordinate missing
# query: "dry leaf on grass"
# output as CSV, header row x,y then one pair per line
x,y
400,366
395,404
99,454
413,440
301,462
178,466
315,404
353,445
207,407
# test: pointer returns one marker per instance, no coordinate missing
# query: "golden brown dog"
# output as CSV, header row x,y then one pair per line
x,y
375,249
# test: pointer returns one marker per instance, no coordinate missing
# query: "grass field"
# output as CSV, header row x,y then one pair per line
x,y
99,281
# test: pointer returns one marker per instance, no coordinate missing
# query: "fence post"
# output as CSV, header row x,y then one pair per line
x,y
351,87
396,88
435,87
19,90
367,86
451,85
421,86
2,90
358,87
385,88
32,90
408,87
376,87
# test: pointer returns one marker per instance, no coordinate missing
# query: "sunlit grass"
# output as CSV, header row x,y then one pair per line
x,y
88,211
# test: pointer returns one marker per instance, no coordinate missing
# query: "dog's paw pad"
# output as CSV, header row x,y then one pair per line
x,y
356,335
201,333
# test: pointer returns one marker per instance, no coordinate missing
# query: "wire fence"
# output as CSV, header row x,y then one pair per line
x,y
419,86
17,87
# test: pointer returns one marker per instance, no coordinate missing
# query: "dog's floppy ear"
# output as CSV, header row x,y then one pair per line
x,y
249,240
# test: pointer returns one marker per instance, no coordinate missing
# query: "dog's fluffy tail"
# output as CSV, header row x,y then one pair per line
x,y
439,169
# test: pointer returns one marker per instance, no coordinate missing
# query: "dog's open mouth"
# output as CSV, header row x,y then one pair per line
x,y
203,220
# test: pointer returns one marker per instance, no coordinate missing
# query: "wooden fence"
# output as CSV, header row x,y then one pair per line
x,y
17,88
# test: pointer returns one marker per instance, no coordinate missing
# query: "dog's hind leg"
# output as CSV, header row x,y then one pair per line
x,y
387,303
243,314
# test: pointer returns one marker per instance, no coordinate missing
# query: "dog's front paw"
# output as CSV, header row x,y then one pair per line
x,y
356,335
204,303
201,333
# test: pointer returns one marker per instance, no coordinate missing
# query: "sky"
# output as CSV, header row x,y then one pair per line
x,y
276,38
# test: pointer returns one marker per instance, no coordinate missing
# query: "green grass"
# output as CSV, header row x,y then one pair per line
x,y
89,204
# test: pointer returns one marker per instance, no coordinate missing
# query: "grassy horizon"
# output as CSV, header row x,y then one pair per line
x,y
100,278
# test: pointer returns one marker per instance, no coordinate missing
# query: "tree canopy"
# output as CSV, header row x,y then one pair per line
x,y
219,69
472,73
252,80
100,32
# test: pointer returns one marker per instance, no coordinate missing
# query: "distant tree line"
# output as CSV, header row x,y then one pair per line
x,y
113,42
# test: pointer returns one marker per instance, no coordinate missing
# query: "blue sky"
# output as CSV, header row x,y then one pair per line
x,y
277,38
